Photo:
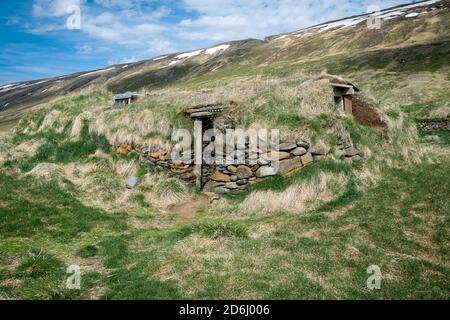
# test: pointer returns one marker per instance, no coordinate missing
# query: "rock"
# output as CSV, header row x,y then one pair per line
x,y
124,149
356,158
241,182
273,156
132,182
232,168
243,187
219,176
361,150
319,157
299,151
252,179
158,154
339,153
209,186
231,185
287,146
265,171
244,172
234,178
303,143
351,152
235,192
319,149
263,161
307,158
221,190
286,166
181,170
187,176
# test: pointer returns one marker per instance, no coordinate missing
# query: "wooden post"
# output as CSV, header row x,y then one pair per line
x,y
198,152
348,104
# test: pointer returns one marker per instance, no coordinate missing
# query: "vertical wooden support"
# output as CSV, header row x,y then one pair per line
x,y
198,152
348,104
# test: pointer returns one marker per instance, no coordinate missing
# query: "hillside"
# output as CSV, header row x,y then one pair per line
x,y
413,40
356,189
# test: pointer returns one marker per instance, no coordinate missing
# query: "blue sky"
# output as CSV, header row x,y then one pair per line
x,y
35,41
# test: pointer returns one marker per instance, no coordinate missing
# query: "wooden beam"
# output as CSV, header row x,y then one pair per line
x,y
198,151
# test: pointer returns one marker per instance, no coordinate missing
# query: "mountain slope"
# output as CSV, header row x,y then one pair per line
x,y
412,38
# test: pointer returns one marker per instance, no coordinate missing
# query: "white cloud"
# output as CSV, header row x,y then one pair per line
x,y
142,25
53,8
221,20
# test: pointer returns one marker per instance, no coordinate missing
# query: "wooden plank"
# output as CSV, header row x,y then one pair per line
x,y
198,151
348,104
207,109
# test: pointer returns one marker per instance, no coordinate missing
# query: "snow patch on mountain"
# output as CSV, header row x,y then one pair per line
x,y
188,55
174,62
220,48
383,14
281,37
95,72
159,58
411,15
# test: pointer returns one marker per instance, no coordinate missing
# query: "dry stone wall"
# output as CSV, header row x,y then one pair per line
x,y
291,157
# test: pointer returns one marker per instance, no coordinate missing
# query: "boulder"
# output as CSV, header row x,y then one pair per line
x,y
339,153
263,161
265,171
319,157
124,149
274,156
209,186
241,182
221,190
243,172
303,143
287,146
187,176
351,152
221,177
158,154
286,166
319,149
299,151
132,182
231,185
307,158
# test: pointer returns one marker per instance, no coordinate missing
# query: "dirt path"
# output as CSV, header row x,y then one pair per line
x,y
186,211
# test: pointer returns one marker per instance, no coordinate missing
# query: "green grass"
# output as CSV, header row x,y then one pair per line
x,y
436,137
31,207
59,149
420,110
401,225
218,228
